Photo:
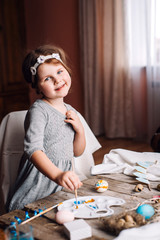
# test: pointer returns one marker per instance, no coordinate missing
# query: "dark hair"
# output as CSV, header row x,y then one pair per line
x,y
31,59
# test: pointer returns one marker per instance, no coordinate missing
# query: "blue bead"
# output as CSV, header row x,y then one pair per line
x,y
18,219
27,215
35,213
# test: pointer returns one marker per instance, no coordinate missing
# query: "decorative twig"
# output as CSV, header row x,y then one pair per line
x,y
149,187
151,200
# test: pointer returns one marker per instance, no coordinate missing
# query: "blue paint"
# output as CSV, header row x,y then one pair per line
x,y
146,210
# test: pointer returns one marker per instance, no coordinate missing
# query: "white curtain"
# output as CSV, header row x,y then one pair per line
x,y
144,41
120,46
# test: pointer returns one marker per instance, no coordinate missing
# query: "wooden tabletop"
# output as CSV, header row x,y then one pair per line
x,y
120,186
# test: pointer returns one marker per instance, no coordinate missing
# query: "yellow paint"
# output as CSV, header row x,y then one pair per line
x,y
92,200
101,187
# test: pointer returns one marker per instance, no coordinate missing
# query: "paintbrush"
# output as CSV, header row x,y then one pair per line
x,y
76,198
73,169
39,214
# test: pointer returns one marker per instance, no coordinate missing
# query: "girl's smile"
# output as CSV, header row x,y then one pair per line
x,y
59,88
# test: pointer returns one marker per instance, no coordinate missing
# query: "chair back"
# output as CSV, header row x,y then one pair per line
x,y
11,150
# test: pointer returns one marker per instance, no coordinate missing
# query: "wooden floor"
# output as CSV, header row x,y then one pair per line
x,y
108,144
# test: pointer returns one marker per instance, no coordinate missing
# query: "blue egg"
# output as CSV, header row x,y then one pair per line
x,y
146,210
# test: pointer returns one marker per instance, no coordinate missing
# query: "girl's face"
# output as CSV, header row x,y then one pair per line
x,y
54,80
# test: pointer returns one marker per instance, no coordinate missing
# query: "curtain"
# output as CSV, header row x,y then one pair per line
x,y
120,53
107,80
144,63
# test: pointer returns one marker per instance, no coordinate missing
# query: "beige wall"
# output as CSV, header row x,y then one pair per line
x,y
56,22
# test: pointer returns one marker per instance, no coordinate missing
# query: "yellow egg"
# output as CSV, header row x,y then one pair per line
x,y
101,186
64,216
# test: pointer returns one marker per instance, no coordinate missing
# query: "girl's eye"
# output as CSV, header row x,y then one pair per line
x,y
59,72
47,79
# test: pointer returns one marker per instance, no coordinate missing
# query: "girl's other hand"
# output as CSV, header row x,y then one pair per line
x,y
69,180
79,143
72,118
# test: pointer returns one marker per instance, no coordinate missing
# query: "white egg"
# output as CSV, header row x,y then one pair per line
x,y
101,186
64,216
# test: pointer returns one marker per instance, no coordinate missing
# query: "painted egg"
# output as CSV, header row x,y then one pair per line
x,y
146,210
64,216
101,186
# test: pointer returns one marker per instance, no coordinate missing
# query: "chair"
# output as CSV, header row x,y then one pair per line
x,y
11,150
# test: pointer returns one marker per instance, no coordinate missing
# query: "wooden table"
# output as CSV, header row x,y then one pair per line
x,y
120,185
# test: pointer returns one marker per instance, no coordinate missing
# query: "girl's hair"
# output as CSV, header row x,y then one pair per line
x,y
31,59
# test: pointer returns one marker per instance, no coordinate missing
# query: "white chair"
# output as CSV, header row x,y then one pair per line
x,y
11,150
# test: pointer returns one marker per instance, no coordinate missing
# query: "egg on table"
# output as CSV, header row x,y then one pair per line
x,y
64,216
146,210
101,186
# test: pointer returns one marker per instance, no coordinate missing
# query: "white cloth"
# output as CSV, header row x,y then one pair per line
x,y
124,161
146,232
84,162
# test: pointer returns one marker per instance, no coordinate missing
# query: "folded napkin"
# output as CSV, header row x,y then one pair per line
x,y
146,232
124,161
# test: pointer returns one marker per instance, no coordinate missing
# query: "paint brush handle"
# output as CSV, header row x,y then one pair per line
x,y
76,193
39,214
73,169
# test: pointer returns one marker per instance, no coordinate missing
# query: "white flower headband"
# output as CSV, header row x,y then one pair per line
x,y
41,59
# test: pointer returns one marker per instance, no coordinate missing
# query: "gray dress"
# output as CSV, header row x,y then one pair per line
x,y
45,130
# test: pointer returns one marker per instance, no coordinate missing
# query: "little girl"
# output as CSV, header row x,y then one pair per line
x,y
53,131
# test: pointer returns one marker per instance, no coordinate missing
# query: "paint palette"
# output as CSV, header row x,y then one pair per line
x,y
91,206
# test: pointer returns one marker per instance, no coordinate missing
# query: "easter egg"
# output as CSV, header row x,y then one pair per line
x,y
101,186
146,210
64,216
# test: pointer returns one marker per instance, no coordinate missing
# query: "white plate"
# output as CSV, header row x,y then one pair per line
x,y
91,206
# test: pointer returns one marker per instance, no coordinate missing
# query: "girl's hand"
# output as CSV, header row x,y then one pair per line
x,y
73,119
68,180
79,140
